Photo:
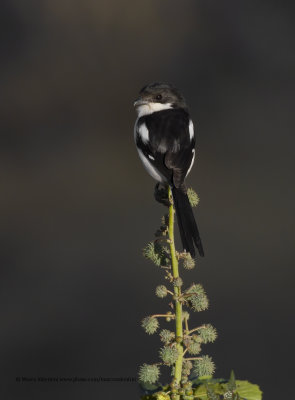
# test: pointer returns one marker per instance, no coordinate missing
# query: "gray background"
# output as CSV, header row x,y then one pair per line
x,y
77,205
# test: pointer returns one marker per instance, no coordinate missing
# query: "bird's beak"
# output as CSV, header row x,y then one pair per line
x,y
139,102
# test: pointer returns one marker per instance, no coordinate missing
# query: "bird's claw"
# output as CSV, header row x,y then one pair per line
x,y
161,194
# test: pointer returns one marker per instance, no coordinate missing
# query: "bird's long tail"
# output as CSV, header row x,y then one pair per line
x,y
188,229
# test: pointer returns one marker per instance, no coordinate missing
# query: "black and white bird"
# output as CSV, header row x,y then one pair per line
x,y
165,140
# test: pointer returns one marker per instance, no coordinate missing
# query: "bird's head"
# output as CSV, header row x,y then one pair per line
x,y
157,97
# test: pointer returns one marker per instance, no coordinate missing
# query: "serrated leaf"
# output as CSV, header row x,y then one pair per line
x,y
248,390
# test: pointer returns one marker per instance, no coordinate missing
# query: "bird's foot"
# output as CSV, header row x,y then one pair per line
x,y
161,194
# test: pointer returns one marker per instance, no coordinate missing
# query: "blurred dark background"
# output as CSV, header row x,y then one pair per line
x,y
77,206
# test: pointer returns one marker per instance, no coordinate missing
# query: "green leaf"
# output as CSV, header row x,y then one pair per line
x,y
201,392
205,392
202,379
162,396
231,385
211,392
248,390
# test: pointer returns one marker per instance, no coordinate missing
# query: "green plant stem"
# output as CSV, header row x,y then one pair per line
x,y
177,291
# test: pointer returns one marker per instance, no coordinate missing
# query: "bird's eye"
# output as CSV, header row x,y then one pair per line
x,y
159,97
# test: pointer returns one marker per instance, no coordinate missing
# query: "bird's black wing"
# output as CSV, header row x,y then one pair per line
x,y
169,143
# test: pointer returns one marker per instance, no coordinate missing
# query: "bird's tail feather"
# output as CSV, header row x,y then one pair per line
x,y
188,229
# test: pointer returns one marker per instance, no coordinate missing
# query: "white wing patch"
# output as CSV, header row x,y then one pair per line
x,y
193,159
191,129
150,168
143,133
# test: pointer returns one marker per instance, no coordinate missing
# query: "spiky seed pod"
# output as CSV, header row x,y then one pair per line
x,y
149,373
161,291
204,366
194,348
155,252
187,364
195,289
193,197
196,338
150,253
188,262
198,299
166,336
165,256
200,303
178,282
169,355
150,325
184,373
208,333
187,340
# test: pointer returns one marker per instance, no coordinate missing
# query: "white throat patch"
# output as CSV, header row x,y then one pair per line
x,y
151,107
